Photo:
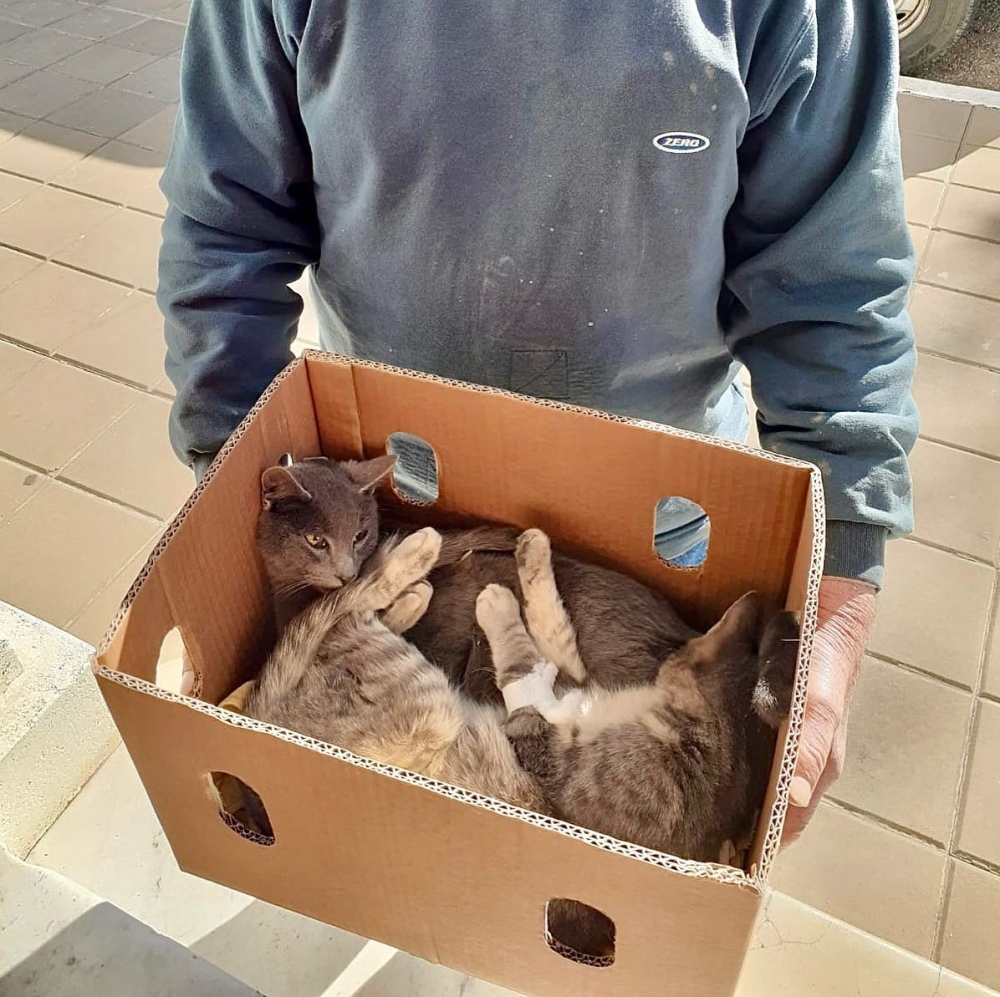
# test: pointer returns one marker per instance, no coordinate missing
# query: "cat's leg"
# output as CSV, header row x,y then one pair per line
x,y
408,608
523,676
548,622
407,563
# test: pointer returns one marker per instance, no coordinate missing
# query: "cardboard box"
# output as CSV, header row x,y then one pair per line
x,y
436,871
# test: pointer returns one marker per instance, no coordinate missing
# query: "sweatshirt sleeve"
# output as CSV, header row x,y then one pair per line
x,y
241,221
819,263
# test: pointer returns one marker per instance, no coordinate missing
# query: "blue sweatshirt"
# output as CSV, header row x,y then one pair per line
x,y
616,204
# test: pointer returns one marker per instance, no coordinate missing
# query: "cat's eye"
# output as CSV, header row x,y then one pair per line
x,y
316,541
361,536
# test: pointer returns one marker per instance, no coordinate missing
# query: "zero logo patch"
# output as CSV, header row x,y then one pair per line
x,y
681,142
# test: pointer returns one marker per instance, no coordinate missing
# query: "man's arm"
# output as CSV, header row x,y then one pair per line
x,y
241,223
820,262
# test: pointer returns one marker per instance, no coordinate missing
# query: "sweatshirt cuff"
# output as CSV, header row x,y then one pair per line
x,y
200,465
855,550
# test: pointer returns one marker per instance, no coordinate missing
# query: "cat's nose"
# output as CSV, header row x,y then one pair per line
x,y
344,566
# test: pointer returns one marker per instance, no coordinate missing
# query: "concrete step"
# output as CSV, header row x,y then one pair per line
x,y
60,940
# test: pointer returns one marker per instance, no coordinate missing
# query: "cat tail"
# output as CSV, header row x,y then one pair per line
x,y
779,649
459,544
296,651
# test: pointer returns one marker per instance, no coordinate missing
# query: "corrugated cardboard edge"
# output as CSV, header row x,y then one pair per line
x,y
755,880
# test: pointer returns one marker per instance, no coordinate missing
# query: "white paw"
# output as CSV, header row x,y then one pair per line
x,y
496,606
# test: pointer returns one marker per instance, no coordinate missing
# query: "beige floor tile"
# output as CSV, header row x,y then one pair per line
x,y
154,37
160,80
878,880
798,951
17,484
984,127
959,404
979,833
98,23
904,749
10,72
45,150
41,47
41,93
922,200
127,342
957,499
38,12
933,611
956,324
102,63
125,247
992,678
155,134
937,118
925,156
964,264
12,124
14,189
61,548
92,624
977,167
51,413
14,266
106,112
52,303
972,212
121,173
973,925
920,235
132,462
48,219
15,363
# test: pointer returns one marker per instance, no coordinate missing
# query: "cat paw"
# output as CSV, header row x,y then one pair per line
x,y
533,555
409,608
496,608
419,552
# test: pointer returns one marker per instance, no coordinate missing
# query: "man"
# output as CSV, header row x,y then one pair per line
x,y
616,204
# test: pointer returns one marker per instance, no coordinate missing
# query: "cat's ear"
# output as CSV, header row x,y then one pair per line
x,y
739,627
366,474
278,484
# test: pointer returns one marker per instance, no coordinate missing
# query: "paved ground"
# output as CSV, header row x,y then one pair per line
x,y
975,60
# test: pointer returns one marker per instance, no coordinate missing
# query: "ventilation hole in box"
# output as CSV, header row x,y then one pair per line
x,y
241,808
580,933
415,475
170,665
680,532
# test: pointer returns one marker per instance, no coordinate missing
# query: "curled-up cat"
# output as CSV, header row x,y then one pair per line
x,y
666,765
343,675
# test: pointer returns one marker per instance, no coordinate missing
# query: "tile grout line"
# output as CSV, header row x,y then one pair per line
x,y
965,770
960,447
941,355
905,666
944,549
873,818
955,290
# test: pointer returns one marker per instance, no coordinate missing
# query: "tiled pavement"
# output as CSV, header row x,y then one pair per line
x,y
908,848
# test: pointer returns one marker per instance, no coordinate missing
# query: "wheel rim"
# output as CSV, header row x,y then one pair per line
x,y
910,15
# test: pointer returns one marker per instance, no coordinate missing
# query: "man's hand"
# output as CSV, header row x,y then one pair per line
x,y
846,611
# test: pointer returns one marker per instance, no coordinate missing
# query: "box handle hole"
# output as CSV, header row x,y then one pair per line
x,y
681,531
170,665
579,932
241,808
415,475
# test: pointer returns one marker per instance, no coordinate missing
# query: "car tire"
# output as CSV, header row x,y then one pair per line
x,y
929,28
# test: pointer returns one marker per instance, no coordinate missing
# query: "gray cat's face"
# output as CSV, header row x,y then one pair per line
x,y
319,522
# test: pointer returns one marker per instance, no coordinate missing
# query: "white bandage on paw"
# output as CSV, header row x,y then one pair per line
x,y
533,689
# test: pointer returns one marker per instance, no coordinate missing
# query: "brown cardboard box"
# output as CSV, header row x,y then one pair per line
x,y
437,871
